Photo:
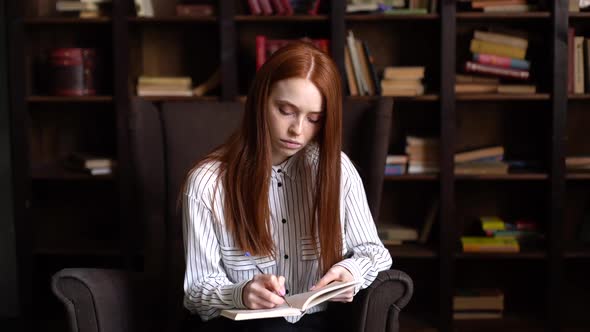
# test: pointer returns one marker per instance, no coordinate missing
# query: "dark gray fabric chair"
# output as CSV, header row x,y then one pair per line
x,y
166,141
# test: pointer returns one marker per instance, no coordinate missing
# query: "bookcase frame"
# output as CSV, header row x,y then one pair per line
x,y
443,258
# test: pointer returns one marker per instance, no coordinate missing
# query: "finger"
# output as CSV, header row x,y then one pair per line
x,y
326,279
275,285
269,296
259,303
282,285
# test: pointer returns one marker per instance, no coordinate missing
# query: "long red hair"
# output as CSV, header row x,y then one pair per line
x,y
246,157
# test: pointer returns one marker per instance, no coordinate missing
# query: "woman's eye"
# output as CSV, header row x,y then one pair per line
x,y
314,119
284,110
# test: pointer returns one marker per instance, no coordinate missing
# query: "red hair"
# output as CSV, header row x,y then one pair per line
x,y
246,157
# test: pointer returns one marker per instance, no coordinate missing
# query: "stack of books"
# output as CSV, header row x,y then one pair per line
x,y
164,86
90,163
423,154
361,76
487,160
579,164
284,7
478,304
403,81
501,6
525,231
501,56
500,236
396,164
84,8
396,234
578,63
394,7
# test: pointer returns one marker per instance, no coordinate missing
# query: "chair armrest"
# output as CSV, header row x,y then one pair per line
x,y
377,307
97,300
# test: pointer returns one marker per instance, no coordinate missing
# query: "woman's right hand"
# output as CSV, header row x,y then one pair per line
x,y
261,292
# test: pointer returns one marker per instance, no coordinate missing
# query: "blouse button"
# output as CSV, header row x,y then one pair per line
x,y
286,256
280,184
284,221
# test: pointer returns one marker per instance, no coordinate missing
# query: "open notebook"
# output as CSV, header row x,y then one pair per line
x,y
299,303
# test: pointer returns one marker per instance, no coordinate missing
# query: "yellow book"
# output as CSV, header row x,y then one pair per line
x,y
479,46
492,223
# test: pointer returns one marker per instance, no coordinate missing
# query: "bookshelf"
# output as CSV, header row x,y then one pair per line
x,y
548,125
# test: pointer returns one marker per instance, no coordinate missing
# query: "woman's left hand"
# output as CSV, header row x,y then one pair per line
x,y
337,273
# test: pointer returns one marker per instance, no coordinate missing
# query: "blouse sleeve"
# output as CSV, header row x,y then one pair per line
x,y
207,288
369,255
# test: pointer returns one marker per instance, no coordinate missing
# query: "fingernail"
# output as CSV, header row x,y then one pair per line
x,y
282,292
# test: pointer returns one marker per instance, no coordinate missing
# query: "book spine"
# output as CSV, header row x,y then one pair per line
x,y
265,6
254,7
278,7
314,8
570,58
479,46
500,61
372,69
501,39
288,8
260,51
504,72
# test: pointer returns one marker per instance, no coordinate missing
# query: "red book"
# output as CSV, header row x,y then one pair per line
x,y
266,47
254,7
497,71
278,7
314,8
265,6
288,7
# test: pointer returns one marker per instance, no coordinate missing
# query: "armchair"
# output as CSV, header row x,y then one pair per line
x,y
166,141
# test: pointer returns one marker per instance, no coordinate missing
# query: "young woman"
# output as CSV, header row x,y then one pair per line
x,y
281,190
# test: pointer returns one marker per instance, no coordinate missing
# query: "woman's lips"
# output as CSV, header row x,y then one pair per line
x,y
291,144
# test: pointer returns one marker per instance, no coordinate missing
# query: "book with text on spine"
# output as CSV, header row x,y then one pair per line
x,y
294,305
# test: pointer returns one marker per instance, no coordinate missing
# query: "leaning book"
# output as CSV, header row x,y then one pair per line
x,y
297,304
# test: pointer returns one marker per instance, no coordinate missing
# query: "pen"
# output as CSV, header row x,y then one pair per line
x,y
247,254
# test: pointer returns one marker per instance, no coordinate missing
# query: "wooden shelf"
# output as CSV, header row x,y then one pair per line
x,y
57,172
510,322
577,250
65,20
577,176
503,16
281,19
504,177
175,98
579,15
172,19
579,96
426,97
386,17
411,251
411,177
502,97
524,254
58,99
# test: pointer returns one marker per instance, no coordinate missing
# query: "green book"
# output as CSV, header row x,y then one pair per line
x,y
406,11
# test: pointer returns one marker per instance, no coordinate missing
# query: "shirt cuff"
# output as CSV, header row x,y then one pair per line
x,y
237,294
354,269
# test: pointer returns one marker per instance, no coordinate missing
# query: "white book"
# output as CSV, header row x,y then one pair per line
x,y
144,8
579,64
356,64
294,305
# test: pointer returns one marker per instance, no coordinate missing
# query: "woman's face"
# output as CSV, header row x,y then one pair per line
x,y
295,116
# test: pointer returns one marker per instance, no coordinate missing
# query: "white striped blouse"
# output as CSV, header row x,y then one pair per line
x,y
217,270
